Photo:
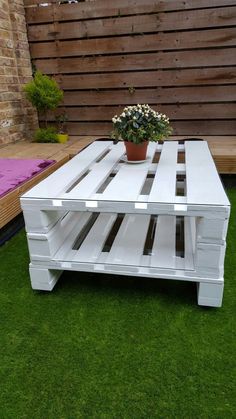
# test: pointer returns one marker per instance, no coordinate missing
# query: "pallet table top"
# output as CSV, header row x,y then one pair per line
x,y
100,179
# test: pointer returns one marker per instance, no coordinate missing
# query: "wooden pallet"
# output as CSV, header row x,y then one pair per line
x,y
223,150
99,213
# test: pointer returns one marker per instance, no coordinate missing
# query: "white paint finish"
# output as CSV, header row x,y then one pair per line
x,y
211,230
126,256
164,184
42,278
210,294
57,203
66,175
127,248
95,240
203,182
140,205
37,221
209,256
181,207
189,241
163,251
43,245
91,204
163,273
66,247
128,182
98,174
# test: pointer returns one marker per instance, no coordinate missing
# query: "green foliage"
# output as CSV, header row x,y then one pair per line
x,y
141,123
43,92
46,135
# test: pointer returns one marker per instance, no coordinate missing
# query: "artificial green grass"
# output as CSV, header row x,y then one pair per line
x,y
114,347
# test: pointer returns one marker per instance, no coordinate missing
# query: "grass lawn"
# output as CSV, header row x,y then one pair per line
x,y
114,347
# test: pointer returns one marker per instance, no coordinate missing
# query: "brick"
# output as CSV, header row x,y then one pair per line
x,y
18,119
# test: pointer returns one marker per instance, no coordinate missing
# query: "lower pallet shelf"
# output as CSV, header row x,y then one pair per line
x,y
131,240
154,246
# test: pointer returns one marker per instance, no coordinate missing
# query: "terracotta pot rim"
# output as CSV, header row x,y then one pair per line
x,y
145,141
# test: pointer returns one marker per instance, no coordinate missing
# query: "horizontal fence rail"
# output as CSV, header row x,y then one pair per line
x,y
180,57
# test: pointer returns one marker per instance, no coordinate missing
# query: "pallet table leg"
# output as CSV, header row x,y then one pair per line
x,y
43,279
210,294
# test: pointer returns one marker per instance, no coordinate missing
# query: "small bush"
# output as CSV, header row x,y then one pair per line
x,y
46,135
43,92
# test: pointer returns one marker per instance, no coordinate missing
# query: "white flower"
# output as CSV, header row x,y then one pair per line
x,y
123,114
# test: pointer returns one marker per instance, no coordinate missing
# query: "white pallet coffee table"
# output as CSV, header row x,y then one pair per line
x,y
164,218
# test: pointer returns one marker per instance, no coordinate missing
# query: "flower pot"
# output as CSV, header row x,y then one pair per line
x,y
62,138
136,152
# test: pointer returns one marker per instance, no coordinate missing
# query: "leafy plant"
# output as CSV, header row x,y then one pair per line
x,y
140,123
44,93
61,123
46,135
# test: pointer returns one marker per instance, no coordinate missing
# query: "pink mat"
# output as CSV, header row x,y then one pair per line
x,y
14,172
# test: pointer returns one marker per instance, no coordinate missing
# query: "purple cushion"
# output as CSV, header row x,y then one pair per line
x,y
14,172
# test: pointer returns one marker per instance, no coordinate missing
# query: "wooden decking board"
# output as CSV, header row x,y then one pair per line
x,y
61,153
223,149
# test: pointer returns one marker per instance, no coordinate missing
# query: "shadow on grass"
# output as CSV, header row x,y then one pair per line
x,y
175,292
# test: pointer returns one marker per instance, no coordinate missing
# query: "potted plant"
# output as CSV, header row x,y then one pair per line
x,y
45,94
61,127
137,125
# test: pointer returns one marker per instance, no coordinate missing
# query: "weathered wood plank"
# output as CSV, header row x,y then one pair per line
x,y
191,128
141,24
106,8
134,43
186,60
201,128
188,77
175,112
157,95
152,61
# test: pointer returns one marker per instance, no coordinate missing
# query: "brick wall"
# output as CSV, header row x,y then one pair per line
x,y
18,119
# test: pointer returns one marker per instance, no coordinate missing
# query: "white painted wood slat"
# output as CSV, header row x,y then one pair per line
x,y
189,241
95,240
65,249
164,184
66,175
202,179
127,248
97,176
128,183
164,246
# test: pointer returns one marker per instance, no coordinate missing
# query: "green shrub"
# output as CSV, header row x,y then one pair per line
x,y
46,135
44,93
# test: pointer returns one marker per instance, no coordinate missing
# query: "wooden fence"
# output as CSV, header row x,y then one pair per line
x,y
178,56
